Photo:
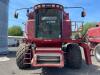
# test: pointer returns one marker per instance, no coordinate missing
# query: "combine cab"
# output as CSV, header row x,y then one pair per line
x,y
48,41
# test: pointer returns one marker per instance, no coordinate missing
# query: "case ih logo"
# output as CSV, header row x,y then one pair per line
x,y
49,18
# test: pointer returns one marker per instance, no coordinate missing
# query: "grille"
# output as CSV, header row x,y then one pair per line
x,y
48,59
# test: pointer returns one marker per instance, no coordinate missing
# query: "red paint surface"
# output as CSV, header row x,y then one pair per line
x,y
49,50
86,53
94,34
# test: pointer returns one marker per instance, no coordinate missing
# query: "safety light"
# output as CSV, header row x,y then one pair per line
x,y
53,6
39,6
57,6
43,6
35,7
61,7
48,6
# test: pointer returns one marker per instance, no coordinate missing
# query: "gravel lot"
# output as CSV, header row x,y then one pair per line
x,y
9,67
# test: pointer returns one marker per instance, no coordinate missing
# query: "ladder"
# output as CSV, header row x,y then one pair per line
x,y
27,57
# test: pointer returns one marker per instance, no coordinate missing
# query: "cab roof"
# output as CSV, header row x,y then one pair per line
x,y
48,5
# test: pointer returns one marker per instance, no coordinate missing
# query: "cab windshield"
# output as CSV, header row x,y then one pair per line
x,y
48,23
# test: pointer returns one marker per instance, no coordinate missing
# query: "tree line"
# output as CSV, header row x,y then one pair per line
x,y
15,31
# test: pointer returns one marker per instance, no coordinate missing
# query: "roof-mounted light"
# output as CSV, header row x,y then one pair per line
x,y
39,6
43,6
35,7
53,6
48,6
57,6
61,7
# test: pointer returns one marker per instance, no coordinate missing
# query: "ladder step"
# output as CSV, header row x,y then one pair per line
x,y
28,53
29,49
27,58
27,63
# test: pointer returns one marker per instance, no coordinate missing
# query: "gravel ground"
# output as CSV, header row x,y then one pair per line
x,y
9,67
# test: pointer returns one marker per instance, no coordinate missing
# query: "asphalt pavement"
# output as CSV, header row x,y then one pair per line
x,y
8,67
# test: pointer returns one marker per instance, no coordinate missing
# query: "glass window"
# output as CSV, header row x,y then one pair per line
x,y
48,23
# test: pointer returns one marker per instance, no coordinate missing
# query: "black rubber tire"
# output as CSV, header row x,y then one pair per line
x,y
97,52
22,49
74,57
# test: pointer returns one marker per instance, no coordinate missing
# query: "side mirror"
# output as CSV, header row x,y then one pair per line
x,y
83,13
27,11
16,15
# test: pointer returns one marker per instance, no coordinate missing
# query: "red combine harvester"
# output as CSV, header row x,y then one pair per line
x,y
48,41
93,38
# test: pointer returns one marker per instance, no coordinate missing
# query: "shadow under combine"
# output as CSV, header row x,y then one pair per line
x,y
84,70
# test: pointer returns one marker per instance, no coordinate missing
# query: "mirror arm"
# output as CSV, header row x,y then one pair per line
x,y
74,8
16,14
24,9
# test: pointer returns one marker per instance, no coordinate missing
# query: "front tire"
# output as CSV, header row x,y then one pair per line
x,y
74,57
23,48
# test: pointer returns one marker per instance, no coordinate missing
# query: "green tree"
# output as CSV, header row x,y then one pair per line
x,y
15,31
86,26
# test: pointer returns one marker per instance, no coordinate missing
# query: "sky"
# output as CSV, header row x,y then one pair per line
x,y
92,8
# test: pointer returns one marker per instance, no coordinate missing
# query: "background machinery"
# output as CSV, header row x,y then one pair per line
x,y
48,41
93,39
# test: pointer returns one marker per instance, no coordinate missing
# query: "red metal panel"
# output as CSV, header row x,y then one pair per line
x,y
96,39
86,53
47,51
53,42
30,30
48,48
66,27
48,44
94,34
48,65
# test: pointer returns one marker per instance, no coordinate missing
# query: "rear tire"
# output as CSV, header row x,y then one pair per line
x,y
97,52
23,48
74,57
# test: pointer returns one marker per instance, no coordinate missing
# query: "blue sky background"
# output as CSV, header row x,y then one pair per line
x,y
92,8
